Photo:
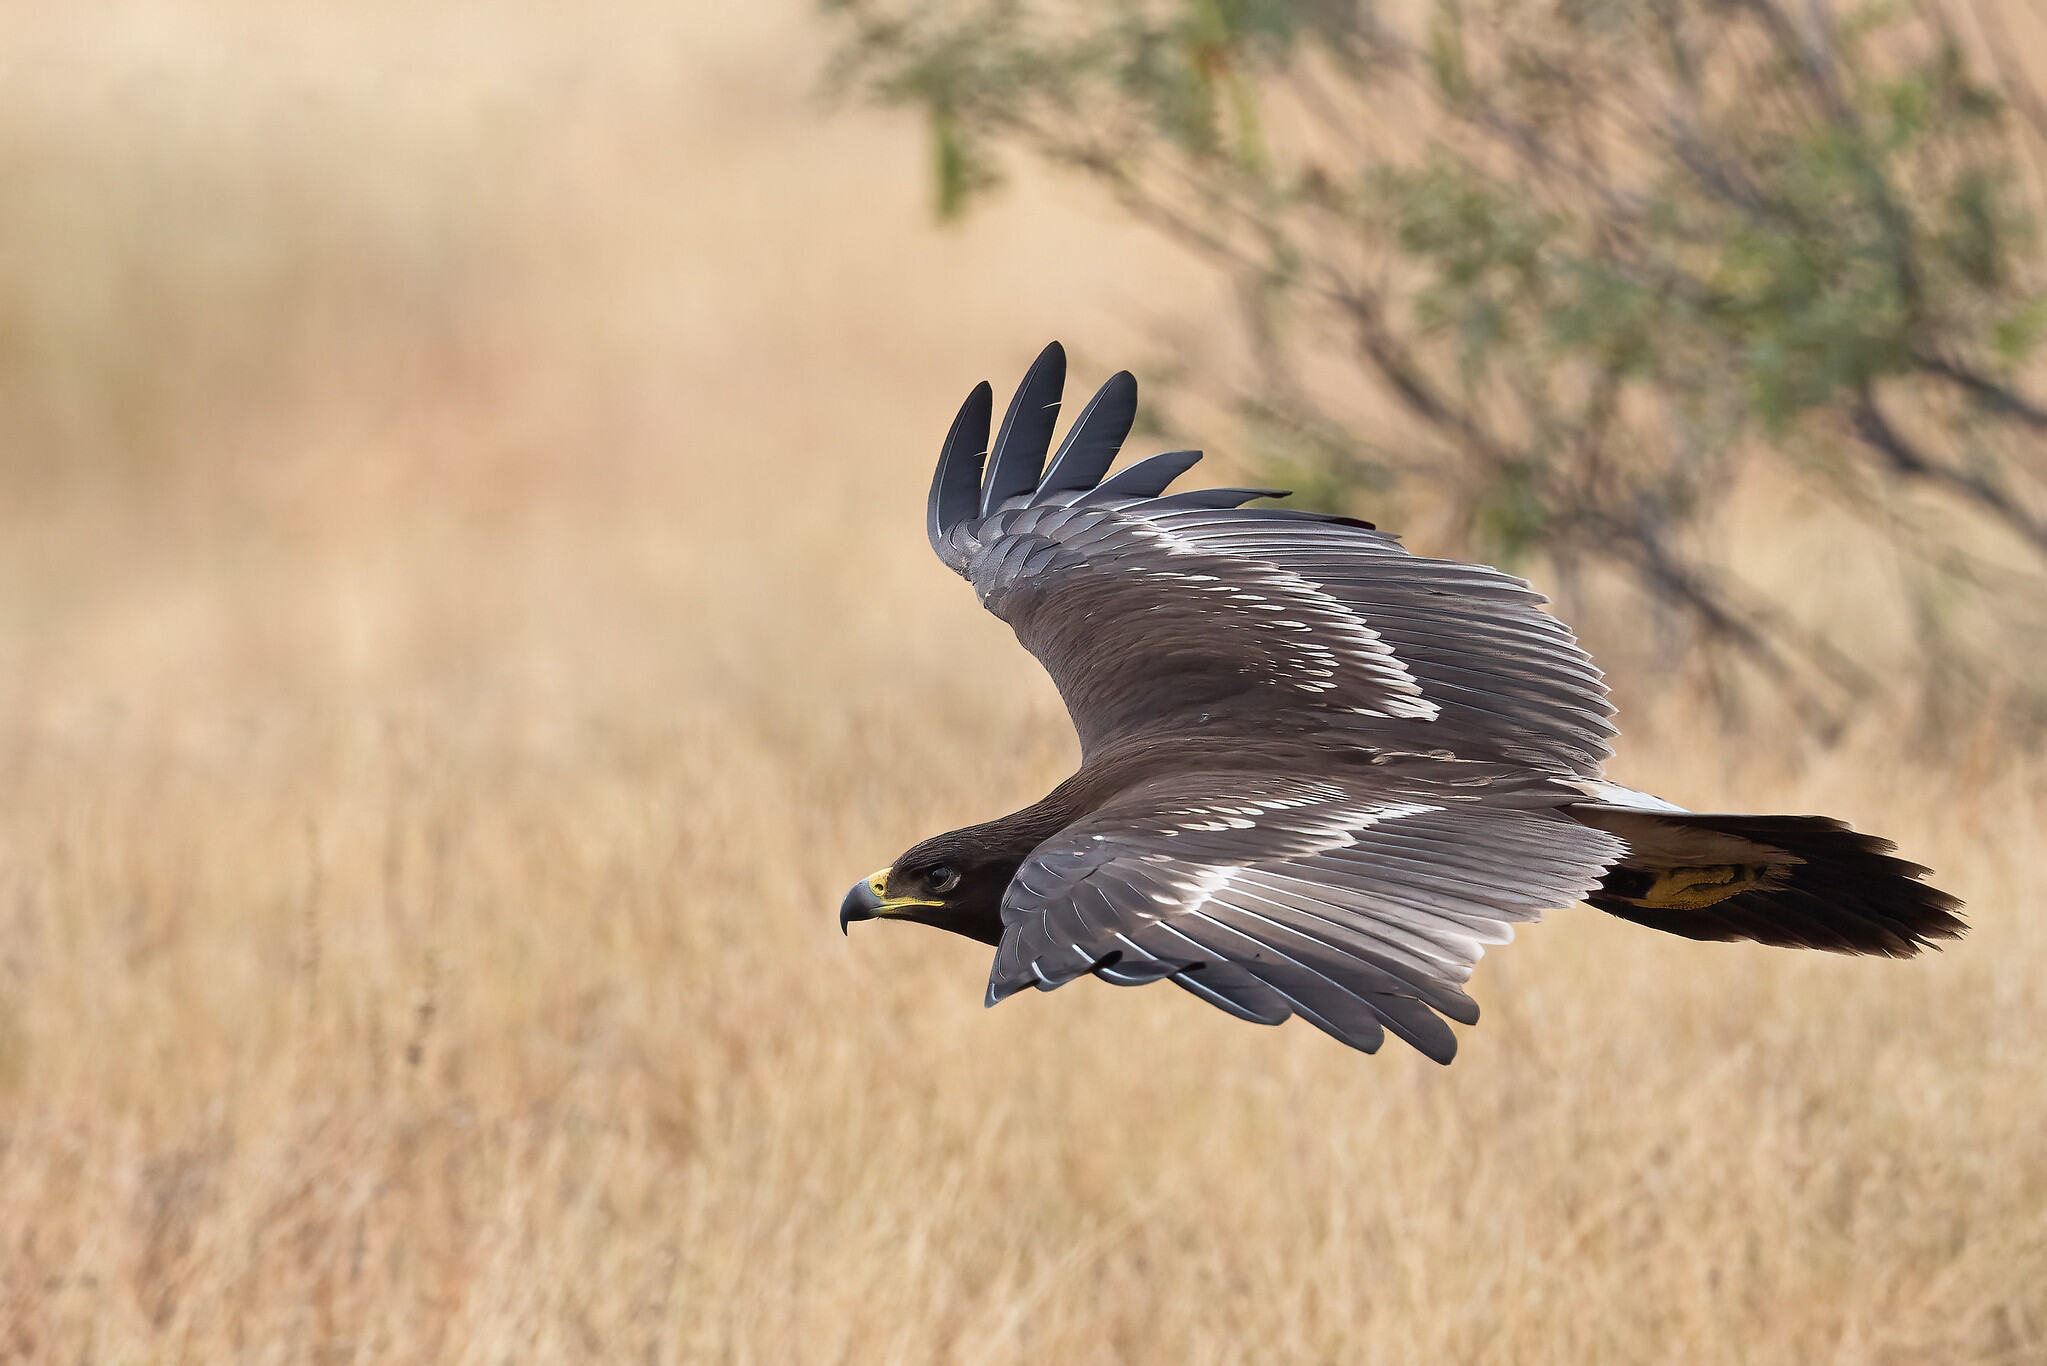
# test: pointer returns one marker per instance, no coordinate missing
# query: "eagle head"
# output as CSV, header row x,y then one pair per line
x,y
953,882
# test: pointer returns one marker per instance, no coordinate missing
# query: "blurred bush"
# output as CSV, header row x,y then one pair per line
x,y
1589,281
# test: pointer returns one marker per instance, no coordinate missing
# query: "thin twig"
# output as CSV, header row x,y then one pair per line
x,y
1999,398
1907,461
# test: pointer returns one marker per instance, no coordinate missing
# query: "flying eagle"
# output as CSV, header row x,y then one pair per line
x,y
1318,774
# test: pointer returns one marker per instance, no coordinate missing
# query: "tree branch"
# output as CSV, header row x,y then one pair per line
x,y
1997,397
1906,461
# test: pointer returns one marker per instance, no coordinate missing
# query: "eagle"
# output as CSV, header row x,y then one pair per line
x,y
1318,774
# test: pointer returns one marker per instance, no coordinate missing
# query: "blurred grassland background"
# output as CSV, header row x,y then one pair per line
x,y
464,619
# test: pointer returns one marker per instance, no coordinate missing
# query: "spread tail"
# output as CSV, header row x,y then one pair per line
x,y
1797,881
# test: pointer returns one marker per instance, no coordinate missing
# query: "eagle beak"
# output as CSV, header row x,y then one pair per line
x,y
864,902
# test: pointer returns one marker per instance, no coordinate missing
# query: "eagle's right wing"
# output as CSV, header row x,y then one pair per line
x,y
1166,616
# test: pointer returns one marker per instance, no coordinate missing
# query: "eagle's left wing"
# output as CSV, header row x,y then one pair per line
x,y
1359,906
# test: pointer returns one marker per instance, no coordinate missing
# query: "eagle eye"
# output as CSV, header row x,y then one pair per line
x,y
943,877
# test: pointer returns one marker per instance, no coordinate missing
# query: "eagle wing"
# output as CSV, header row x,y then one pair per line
x,y
1163,616
1360,906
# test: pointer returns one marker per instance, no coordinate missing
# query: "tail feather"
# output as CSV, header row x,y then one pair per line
x,y
1796,881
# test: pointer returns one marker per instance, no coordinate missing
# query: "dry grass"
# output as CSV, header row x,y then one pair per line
x,y
463,621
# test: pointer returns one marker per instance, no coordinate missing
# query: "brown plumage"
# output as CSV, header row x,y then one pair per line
x,y
1318,774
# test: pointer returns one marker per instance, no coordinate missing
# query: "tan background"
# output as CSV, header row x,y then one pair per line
x,y
464,619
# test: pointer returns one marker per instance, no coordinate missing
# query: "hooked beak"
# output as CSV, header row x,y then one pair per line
x,y
864,902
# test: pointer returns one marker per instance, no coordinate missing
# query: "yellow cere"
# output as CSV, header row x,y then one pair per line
x,y
891,905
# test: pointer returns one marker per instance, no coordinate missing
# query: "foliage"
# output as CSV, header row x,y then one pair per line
x,y
1602,258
